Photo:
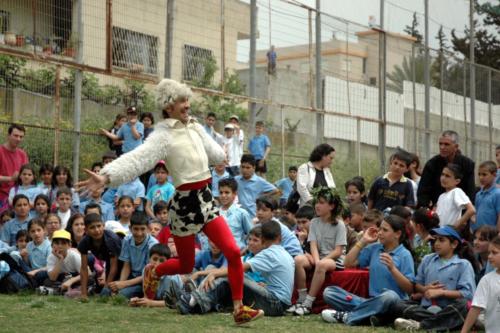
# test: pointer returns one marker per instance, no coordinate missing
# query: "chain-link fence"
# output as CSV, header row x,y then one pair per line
x,y
119,49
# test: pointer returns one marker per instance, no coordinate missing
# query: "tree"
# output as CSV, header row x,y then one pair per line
x,y
441,61
412,29
403,73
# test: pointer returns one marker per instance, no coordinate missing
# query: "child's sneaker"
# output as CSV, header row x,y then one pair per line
x,y
246,314
190,285
410,325
302,310
150,282
292,308
334,316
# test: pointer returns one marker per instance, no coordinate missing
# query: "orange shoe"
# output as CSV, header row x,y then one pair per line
x,y
150,282
246,314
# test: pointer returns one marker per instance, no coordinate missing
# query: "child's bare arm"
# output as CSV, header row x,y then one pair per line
x,y
337,252
471,319
469,212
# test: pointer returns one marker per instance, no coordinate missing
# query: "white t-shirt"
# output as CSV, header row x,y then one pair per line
x,y
232,149
487,297
64,218
450,205
71,264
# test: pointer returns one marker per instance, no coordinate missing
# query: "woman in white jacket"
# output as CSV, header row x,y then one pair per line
x,y
188,150
316,172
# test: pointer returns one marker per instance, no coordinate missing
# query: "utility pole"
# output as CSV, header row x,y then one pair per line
x,y
77,101
472,86
382,58
319,81
253,69
170,37
427,82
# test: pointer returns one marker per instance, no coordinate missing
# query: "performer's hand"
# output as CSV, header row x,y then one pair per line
x,y
93,183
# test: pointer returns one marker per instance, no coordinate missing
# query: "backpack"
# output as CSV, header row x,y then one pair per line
x,y
15,280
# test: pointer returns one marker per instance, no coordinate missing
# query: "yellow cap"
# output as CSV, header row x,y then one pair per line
x,y
61,234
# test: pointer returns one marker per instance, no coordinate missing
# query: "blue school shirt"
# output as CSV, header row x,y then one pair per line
x,y
254,276
204,258
286,186
380,277
160,193
75,198
257,146
277,268
136,255
5,248
487,207
454,274
215,182
289,241
152,181
38,254
239,222
107,209
250,189
10,229
30,191
109,196
129,142
134,189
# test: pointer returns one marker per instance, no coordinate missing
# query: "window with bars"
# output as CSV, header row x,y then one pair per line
x,y
135,51
4,21
194,61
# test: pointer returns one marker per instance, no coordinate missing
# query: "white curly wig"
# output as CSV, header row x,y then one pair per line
x,y
169,91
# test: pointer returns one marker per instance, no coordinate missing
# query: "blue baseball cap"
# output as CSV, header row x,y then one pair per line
x,y
447,231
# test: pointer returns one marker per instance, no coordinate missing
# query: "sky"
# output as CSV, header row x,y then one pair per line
x,y
289,23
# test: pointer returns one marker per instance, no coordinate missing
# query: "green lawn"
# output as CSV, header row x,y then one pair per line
x,y
33,313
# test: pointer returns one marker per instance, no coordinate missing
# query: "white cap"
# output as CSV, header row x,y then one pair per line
x,y
116,227
229,126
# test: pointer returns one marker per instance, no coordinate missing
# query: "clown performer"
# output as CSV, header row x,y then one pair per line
x,y
188,151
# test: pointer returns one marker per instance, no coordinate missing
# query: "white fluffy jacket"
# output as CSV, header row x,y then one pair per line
x,y
186,148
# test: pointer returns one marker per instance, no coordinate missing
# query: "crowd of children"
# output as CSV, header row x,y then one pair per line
x,y
430,268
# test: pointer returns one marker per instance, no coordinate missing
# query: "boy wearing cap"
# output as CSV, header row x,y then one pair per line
x,y
260,146
445,283
132,132
235,120
63,261
232,150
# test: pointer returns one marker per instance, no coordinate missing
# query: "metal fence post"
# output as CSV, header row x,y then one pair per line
x,y
282,141
253,69
319,85
57,115
382,90
78,94
222,42
427,81
414,98
465,109
441,82
490,116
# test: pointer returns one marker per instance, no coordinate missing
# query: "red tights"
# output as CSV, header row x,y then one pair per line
x,y
219,233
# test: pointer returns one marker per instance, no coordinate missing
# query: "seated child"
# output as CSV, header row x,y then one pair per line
x,y
76,227
265,213
42,206
373,218
134,189
327,238
207,260
273,296
358,211
285,185
105,209
486,295
64,209
26,184
61,177
125,209
482,238
304,216
37,251
218,173
355,190
446,280
158,254
161,213
454,200
52,224
154,228
238,219
102,244
46,172
161,191
19,222
134,255
424,221
391,275
63,263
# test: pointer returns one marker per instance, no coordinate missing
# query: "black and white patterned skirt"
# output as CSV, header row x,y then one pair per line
x,y
191,210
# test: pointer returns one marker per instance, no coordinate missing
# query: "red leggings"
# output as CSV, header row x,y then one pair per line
x,y
218,232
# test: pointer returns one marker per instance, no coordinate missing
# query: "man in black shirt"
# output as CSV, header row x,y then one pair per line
x,y
429,188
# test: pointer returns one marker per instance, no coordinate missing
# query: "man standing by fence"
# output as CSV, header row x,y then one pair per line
x,y
449,152
11,159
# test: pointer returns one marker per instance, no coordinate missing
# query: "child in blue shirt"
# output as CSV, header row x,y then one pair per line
x,y
135,256
391,274
251,186
445,283
37,251
274,264
26,184
488,198
21,206
260,147
132,132
134,189
238,219
219,172
105,209
206,261
161,191
285,185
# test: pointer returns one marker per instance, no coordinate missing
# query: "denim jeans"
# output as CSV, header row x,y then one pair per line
x,y
449,318
165,283
359,309
253,294
128,292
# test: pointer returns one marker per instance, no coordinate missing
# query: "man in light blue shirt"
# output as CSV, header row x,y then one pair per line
x,y
251,186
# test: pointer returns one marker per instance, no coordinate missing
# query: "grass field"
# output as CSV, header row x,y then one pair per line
x,y
33,313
